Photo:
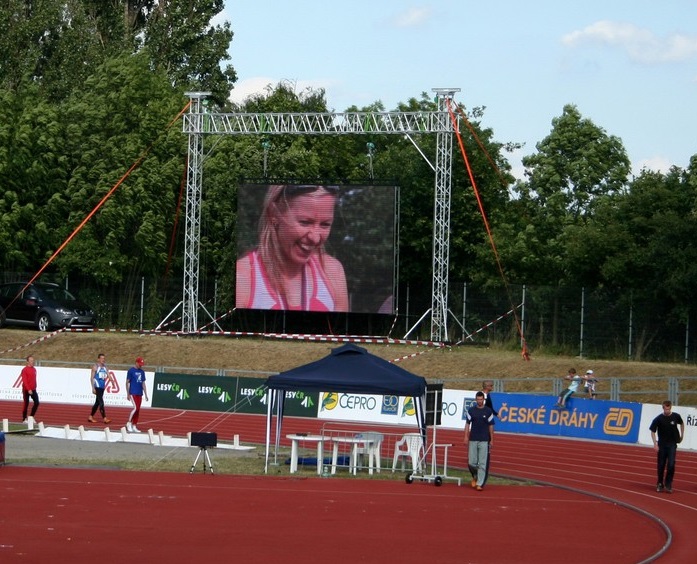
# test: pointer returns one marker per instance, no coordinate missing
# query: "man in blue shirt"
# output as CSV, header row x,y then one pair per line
x,y
479,436
135,388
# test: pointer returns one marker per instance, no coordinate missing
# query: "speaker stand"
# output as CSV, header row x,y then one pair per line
x,y
202,450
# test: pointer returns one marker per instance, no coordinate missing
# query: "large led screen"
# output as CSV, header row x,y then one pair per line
x,y
315,247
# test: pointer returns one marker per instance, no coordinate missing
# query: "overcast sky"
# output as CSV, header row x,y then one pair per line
x,y
628,65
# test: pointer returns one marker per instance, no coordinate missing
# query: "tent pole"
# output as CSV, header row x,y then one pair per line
x,y
421,417
280,397
269,400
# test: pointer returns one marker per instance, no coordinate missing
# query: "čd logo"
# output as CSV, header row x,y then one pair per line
x,y
618,421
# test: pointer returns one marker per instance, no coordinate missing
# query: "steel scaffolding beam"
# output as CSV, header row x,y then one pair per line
x,y
192,235
441,218
198,123
315,123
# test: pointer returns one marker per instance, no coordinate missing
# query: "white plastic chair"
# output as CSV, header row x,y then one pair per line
x,y
409,446
371,449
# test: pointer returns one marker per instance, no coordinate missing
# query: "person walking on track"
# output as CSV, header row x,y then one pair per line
x,y
135,389
670,429
478,440
99,377
28,376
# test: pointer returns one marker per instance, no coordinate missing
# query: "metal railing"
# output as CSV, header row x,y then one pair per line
x,y
681,390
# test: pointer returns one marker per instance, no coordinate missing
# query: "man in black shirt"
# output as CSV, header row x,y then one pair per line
x,y
487,386
671,430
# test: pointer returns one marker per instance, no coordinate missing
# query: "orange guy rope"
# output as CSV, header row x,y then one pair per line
x,y
100,204
525,352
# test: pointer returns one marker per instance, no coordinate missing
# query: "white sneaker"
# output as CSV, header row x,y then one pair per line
x,y
129,427
135,429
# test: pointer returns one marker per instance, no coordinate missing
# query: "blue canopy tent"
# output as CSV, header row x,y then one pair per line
x,y
348,369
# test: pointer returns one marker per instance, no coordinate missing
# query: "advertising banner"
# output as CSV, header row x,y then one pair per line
x,y
187,391
518,413
588,419
390,409
689,417
67,385
224,394
252,398
455,406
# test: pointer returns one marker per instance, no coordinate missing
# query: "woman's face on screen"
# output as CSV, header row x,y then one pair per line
x,y
304,226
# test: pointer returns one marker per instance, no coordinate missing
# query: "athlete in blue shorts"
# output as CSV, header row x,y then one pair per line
x,y
135,388
99,377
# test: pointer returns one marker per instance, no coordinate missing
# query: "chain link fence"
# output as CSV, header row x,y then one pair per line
x,y
572,321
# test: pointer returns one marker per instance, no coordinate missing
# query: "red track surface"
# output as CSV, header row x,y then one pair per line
x,y
113,516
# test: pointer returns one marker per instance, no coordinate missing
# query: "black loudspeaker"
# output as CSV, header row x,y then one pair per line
x,y
204,439
434,403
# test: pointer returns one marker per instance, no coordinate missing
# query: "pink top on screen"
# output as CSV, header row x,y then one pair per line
x,y
316,295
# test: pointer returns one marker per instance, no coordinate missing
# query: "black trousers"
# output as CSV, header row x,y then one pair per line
x,y
99,402
666,463
34,397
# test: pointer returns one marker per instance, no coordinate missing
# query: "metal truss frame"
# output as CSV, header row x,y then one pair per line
x,y
198,123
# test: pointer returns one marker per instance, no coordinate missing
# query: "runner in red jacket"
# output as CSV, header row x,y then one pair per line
x,y
29,388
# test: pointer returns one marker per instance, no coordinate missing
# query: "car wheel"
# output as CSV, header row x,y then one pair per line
x,y
43,322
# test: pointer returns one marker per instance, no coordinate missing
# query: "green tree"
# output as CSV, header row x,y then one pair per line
x,y
181,41
26,39
120,117
640,244
33,173
468,237
575,166
58,44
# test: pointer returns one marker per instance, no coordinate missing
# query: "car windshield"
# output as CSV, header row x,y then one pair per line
x,y
57,293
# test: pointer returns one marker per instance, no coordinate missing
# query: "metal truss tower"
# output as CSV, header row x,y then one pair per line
x,y
198,123
192,236
441,218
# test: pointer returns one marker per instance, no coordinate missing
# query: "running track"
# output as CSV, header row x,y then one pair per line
x,y
623,520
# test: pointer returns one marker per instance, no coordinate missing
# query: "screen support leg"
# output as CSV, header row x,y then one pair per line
x,y
206,458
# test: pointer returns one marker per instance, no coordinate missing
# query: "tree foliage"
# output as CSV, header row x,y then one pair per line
x,y
89,88
577,165
58,43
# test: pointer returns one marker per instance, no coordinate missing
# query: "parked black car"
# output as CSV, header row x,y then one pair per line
x,y
44,306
